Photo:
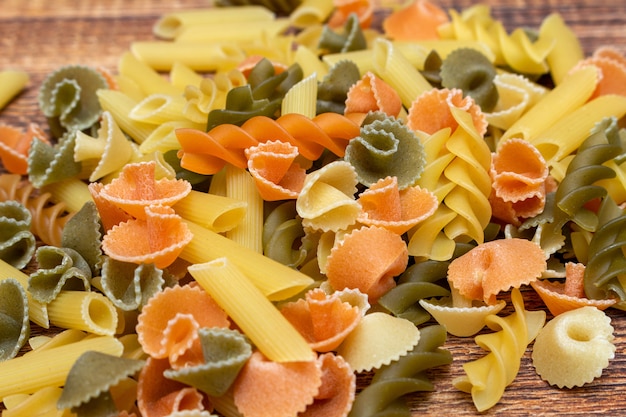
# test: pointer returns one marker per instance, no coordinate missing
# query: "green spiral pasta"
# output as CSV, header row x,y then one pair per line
x,y
577,187
384,395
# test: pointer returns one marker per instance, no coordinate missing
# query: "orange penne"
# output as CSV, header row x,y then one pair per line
x,y
430,112
371,93
274,171
15,144
418,20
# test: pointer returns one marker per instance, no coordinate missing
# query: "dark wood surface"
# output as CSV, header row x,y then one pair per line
x,y
39,36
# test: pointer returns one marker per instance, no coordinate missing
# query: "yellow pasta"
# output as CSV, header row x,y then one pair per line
x,y
120,106
569,132
73,192
146,77
567,51
84,310
158,108
163,137
572,93
302,98
36,404
241,186
416,52
181,75
275,280
310,62
38,312
259,319
12,82
398,72
215,212
170,25
242,31
200,56
49,368
311,12
363,59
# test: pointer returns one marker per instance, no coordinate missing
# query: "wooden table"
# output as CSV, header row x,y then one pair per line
x,y
39,36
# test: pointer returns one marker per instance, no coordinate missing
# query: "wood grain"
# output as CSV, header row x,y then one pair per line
x,y
39,36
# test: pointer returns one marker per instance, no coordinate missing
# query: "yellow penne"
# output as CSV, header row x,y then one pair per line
x,y
233,32
181,75
215,212
416,52
363,59
12,82
569,132
311,12
275,280
163,137
310,62
397,71
42,401
120,105
129,87
199,56
241,186
572,93
302,98
72,191
170,25
66,337
158,108
84,310
567,51
259,319
37,312
49,368
146,76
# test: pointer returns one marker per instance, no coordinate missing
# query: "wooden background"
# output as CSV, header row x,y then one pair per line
x,y
40,35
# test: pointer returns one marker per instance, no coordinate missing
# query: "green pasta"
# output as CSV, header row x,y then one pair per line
x,y
332,91
473,73
83,233
385,394
350,39
14,318
48,164
17,242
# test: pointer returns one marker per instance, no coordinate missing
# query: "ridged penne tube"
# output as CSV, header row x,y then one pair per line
x,y
215,212
120,106
275,280
73,192
38,312
49,368
241,186
244,31
11,83
567,50
199,56
146,76
259,319
566,135
398,72
84,310
572,93
170,25
301,98
311,12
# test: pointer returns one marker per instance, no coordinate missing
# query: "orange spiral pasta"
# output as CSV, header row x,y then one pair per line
x,y
207,153
48,220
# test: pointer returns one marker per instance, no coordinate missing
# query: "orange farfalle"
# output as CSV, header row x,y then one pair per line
x,y
338,389
158,239
168,324
612,67
137,188
364,10
561,297
430,112
417,21
158,396
15,144
384,205
367,259
371,93
274,171
324,320
208,152
271,389
495,266
110,214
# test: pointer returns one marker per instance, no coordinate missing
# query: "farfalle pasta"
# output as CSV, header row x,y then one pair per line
x,y
415,21
17,242
15,325
15,146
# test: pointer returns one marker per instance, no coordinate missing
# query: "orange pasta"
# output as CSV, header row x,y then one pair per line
x,y
274,171
367,259
250,62
371,93
15,144
612,71
207,153
430,112
110,214
364,10
418,20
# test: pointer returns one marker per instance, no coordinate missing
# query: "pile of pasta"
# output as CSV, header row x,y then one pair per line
x,y
240,225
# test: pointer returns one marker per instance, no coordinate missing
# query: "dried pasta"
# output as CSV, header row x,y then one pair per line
x,y
241,185
17,242
84,310
51,163
15,146
350,39
15,324
215,212
12,82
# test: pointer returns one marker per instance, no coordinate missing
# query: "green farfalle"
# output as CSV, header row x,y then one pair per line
x,y
87,386
386,148
351,38
471,71
14,320
225,352
67,97
59,269
83,233
432,68
199,182
48,164
332,91
17,242
129,286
